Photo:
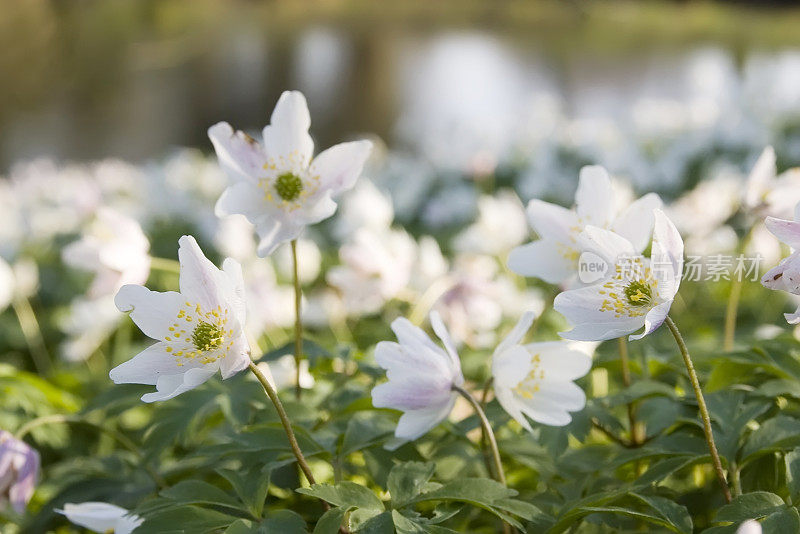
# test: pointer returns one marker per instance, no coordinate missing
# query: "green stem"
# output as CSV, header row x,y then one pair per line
x,y
736,479
487,432
165,265
123,440
701,402
33,335
626,380
287,425
298,321
731,311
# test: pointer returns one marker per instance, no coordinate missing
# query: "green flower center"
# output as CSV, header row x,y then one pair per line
x,y
638,293
289,186
207,336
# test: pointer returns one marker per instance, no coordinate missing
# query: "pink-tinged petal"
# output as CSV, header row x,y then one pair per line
x,y
200,280
152,363
244,198
666,256
603,331
410,393
635,223
286,140
515,336
552,221
274,231
757,183
153,312
339,167
594,199
547,259
583,307
237,358
414,337
787,231
785,276
239,155
653,320
169,386
441,331
406,360
610,246
415,423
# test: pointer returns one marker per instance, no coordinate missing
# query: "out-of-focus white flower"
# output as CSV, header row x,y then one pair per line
x,y
421,377
308,266
7,284
282,373
19,467
278,187
537,379
786,275
26,277
364,207
501,225
634,294
199,330
554,257
115,249
234,238
269,304
751,526
101,517
88,324
376,267
770,194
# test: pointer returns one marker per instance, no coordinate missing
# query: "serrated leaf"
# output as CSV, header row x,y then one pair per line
x,y
199,492
405,525
776,433
251,487
407,480
330,521
676,514
185,520
379,524
346,495
749,506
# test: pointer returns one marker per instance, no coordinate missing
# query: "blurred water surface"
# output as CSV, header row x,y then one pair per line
x,y
89,80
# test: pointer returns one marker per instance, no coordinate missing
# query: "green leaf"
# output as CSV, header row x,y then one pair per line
x,y
627,512
242,526
775,434
749,506
330,521
345,494
364,430
186,519
405,525
283,522
787,520
675,514
792,460
251,488
379,524
407,480
199,492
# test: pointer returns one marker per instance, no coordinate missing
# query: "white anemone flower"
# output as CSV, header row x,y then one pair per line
x,y
554,257
199,330
635,292
7,284
786,275
536,380
277,186
115,249
769,193
500,226
101,517
421,377
751,526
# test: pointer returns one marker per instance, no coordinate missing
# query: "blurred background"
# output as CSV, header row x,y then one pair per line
x,y
465,84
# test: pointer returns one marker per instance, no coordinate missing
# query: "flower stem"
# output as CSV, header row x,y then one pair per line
x,y
730,314
123,440
287,425
32,334
487,432
626,380
701,402
298,321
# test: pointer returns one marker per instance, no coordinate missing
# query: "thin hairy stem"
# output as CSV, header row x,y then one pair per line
x,y
701,402
298,321
487,432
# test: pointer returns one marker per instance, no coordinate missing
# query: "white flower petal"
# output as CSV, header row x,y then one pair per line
x,y
239,155
515,336
553,402
152,363
763,172
410,393
635,223
286,139
562,363
609,245
543,259
169,386
200,280
551,221
787,231
236,359
653,319
666,257
415,423
405,360
236,296
243,198
340,166
152,311
444,335
594,198
101,517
